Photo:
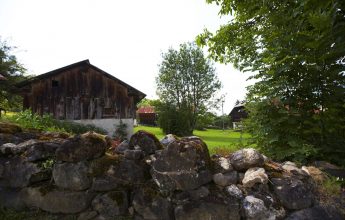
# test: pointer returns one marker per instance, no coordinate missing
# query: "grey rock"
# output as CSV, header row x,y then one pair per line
x,y
11,198
106,183
122,147
41,151
221,164
88,215
225,179
292,168
82,147
9,138
254,208
240,177
7,148
71,176
316,213
56,201
207,211
111,204
133,154
150,205
167,139
234,191
246,158
293,193
199,193
18,173
183,165
146,141
254,175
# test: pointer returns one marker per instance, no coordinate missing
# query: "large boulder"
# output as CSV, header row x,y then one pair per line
x,y
183,165
104,183
16,172
254,175
119,169
146,141
293,193
111,204
82,147
246,158
56,201
207,210
148,204
71,176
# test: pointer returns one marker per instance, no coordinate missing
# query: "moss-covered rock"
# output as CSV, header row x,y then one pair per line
x,y
147,141
82,147
183,165
111,204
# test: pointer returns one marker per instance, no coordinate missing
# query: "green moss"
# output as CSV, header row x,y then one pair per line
x,y
101,165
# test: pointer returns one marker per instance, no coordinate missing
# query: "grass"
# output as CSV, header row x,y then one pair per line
x,y
218,141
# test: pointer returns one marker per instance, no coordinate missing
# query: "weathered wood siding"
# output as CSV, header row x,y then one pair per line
x,y
80,93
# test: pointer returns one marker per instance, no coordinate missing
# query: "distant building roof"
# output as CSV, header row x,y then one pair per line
x,y
146,109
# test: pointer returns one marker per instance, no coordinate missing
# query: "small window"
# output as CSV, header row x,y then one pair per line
x,y
55,83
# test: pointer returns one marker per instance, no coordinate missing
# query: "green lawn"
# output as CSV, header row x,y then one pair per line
x,y
218,141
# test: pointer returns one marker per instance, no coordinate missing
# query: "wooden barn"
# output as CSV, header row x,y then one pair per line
x,y
147,115
80,91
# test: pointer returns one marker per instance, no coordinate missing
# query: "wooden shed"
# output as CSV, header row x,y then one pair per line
x,y
147,115
80,91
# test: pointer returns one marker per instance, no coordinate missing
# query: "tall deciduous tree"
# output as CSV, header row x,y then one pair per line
x,y
12,73
297,50
186,82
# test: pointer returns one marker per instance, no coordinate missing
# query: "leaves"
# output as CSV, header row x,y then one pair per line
x,y
296,49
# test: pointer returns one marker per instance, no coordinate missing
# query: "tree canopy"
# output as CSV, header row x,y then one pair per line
x,y
297,51
186,82
12,71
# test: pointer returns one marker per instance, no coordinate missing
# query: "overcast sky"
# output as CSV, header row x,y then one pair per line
x,y
124,38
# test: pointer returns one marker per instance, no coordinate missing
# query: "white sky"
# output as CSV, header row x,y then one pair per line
x,y
124,38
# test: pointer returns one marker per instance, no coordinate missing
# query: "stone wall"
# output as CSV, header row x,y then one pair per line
x,y
83,176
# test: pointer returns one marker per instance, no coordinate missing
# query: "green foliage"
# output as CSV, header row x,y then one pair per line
x,y
14,73
185,84
174,120
148,102
121,131
297,105
205,120
27,119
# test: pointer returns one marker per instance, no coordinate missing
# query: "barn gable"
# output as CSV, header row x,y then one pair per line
x,y
80,91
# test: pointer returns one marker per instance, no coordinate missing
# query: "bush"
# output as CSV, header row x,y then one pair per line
x,y
120,131
174,121
30,120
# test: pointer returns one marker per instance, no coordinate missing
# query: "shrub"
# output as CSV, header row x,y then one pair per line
x,y
30,120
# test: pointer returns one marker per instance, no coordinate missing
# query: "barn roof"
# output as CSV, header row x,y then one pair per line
x,y
236,108
146,109
81,63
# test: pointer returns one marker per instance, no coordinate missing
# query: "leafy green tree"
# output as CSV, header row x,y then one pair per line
x,y
297,51
13,72
185,84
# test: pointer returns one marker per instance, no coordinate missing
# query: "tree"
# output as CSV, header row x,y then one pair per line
x,y
297,51
12,71
186,82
